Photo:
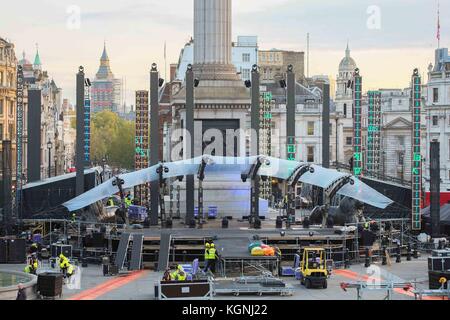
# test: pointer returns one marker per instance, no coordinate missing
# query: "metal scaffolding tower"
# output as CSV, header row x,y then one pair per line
x,y
19,141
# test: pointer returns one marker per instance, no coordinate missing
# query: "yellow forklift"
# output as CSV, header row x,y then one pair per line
x,y
313,271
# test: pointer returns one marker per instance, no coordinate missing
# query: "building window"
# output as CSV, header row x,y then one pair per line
x,y
11,132
310,155
246,57
1,132
400,101
435,94
331,129
310,128
435,120
401,158
345,110
401,140
1,107
349,141
245,74
11,108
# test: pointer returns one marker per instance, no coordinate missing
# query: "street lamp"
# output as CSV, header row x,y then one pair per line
x,y
49,146
55,157
103,167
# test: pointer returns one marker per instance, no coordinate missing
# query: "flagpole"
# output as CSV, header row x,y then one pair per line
x,y
165,61
439,27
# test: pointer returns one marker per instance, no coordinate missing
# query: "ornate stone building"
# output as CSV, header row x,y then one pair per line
x,y
52,118
273,64
437,110
344,108
8,75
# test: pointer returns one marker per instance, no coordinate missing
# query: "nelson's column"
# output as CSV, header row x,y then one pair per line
x,y
222,103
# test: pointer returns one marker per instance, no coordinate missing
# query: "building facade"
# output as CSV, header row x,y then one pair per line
x,y
437,110
344,108
53,144
273,64
8,79
244,54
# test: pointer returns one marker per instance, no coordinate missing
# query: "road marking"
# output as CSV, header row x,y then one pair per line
x,y
108,286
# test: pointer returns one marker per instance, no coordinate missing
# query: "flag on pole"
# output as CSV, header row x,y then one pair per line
x,y
165,61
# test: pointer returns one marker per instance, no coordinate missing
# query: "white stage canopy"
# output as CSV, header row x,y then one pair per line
x,y
216,166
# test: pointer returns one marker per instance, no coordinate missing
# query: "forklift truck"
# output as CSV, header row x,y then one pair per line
x,y
313,268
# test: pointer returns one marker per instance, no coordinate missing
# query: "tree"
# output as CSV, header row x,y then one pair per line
x,y
114,137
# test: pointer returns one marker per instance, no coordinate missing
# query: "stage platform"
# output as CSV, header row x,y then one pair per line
x,y
231,244
187,244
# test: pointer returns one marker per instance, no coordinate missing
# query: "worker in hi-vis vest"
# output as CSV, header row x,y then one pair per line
x,y
211,262
178,274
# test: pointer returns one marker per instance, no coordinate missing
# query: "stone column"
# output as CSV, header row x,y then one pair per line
x,y
213,38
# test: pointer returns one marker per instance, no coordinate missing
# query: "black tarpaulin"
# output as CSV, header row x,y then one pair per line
x,y
445,214
44,198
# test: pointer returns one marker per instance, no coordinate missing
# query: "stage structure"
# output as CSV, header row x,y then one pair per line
x,y
327,179
34,135
87,123
357,121
416,98
291,141
266,103
80,138
326,125
189,140
141,155
255,113
19,141
7,185
435,187
155,83
373,132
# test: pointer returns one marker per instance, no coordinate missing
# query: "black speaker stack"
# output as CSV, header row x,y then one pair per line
x,y
50,284
438,267
57,249
13,251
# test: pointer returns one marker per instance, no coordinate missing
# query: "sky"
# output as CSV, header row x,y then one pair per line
x,y
387,38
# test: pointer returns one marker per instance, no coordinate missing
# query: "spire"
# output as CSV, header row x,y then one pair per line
x,y
347,51
104,54
37,58
104,71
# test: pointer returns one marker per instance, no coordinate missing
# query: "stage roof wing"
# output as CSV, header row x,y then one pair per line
x,y
362,192
278,168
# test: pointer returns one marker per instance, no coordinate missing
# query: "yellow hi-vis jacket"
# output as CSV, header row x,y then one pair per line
x,y
70,269
212,254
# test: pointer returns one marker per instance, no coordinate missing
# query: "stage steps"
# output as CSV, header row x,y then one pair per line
x,y
136,252
164,251
122,250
